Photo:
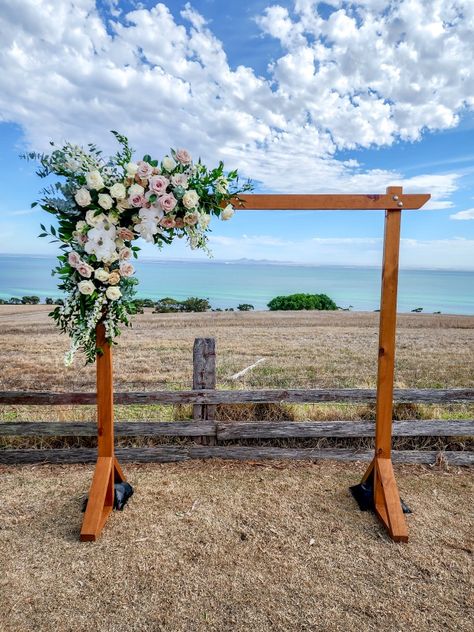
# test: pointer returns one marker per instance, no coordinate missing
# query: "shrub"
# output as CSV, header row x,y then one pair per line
x,y
195,304
245,307
167,305
302,301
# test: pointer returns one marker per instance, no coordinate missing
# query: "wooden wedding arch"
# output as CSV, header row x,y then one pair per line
x,y
386,497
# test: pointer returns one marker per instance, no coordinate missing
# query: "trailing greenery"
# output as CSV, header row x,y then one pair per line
x,y
302,301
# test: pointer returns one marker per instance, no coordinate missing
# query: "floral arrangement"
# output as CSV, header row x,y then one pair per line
x,y
102,206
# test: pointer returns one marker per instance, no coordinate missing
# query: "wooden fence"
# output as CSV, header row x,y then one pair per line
x,y
210,433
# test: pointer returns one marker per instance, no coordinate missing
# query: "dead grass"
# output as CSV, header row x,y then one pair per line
x,y
301,349
234,547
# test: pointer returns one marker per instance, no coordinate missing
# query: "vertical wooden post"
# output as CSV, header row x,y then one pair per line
x,y
107,471
204,377
386,496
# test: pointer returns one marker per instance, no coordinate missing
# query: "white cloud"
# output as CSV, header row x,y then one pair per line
x,y
370,73
468,214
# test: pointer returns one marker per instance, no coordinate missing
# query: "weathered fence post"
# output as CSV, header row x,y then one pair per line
x,y
204,377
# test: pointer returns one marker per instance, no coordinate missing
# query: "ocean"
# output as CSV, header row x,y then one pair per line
x,y
228,283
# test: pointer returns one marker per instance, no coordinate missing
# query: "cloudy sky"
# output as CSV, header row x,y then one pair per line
x,y
301,96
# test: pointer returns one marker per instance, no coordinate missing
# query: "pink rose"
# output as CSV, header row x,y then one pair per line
x,y
73,259
84,269
183,156
168,222
144,169
126,269
136,200
125,234
180,180
158,184
168,202
125,254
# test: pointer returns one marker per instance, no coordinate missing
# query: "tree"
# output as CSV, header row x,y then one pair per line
x,y
245,307
195,304
30,300
49,301
302,301
14,301
417,310
167,305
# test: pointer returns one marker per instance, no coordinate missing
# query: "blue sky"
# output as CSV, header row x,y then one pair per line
x,y
301,96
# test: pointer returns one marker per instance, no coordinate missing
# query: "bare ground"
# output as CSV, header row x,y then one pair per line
x,y
234,547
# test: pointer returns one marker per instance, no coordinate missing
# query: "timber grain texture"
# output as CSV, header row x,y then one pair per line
x,y
261,396
228,430
166,454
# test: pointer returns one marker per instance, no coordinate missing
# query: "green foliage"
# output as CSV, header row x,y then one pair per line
x,y
168,305
192,304
245,307
302,301
195,304
30,300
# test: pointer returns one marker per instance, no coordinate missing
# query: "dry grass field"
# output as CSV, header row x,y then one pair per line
x,y
302,349
230,547
224,547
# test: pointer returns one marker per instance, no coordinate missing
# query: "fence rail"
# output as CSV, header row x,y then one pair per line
x,y
207,431
168,453
260,396
231,430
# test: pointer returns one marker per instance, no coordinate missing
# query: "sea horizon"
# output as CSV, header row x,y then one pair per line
x,y
227,283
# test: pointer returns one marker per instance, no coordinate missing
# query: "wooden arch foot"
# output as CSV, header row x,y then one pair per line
x,y
101,497
387,502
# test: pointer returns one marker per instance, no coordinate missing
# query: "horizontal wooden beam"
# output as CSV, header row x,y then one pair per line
x,y
293,396
326,202
232,430
166,454
228,430
122,429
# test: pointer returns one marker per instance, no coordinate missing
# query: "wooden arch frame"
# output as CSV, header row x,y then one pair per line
x,y
386,497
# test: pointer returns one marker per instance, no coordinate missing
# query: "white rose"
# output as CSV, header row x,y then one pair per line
x,y
94,180
126,269
81,225
113,293
94,220
136,189
118,191
131,168
190,199
221,185
105,201
86,287
227,212
111,257
168,163
101,275
83,197
204,220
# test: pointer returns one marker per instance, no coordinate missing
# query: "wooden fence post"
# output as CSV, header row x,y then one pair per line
x,y
204,377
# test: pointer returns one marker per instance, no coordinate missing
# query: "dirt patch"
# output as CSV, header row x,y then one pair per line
x,y
223,547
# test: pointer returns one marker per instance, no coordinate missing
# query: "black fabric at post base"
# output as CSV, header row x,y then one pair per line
x,y
122,492
363,494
